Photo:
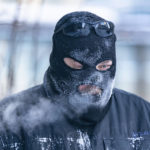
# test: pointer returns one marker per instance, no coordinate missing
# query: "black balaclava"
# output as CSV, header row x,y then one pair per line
x,y
62,82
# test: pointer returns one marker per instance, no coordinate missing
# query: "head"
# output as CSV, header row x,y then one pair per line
x,y
83,62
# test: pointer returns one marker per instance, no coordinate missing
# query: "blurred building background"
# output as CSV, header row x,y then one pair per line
x,y
26,28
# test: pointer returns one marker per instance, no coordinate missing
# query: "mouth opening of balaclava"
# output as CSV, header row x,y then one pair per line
x,y
86,89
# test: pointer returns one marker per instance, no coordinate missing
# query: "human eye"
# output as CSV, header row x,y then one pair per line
x,y
103,66
72,63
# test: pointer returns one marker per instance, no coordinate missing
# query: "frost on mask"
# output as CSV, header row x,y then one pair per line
x,y
85,55
80,103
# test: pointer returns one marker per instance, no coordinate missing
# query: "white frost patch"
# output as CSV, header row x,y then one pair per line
x,y
70,139
85,55
15,146
83,141
106,93
134,140
78,140
44,140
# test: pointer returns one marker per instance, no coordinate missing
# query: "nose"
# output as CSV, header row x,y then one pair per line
x,y
91,76
95,79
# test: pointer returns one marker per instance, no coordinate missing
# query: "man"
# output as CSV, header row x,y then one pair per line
x,y
77,108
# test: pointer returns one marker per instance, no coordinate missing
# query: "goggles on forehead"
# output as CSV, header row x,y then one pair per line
x,y
77,29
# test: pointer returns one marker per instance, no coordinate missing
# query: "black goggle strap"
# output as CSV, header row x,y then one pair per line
x,y
67,24
61,28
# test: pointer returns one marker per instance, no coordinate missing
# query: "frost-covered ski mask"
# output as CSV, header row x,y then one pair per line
x,y
83,64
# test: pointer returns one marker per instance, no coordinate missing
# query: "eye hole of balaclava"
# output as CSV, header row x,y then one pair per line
x,y
105,65
72,63
102,66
